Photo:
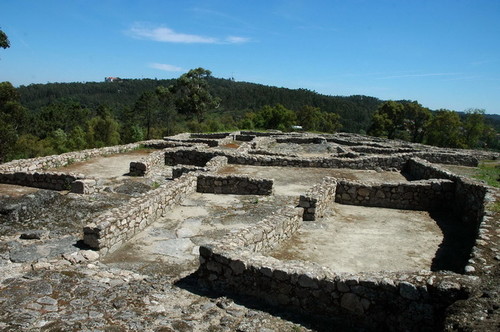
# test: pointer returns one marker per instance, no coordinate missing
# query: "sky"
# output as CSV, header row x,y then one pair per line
x,y
441,53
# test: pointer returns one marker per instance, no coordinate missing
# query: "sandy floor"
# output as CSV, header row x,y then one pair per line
x,y
357,239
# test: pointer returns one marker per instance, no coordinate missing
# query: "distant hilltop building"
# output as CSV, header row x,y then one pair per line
x,y
112,79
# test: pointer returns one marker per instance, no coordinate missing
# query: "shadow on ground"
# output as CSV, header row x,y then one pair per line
x,y
458,240
192,284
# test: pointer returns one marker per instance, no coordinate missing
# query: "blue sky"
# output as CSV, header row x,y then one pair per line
x,y
442,53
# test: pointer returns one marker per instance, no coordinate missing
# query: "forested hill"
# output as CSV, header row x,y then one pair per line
x,y
237,98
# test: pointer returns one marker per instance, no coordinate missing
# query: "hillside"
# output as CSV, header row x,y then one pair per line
x,y
237,98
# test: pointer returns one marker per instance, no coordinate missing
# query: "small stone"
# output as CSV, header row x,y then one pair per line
x,y
34,235
408,291
47,300
90,255
352,303
469,269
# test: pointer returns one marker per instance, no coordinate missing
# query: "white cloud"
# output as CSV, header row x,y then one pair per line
x,y
167,35
236,40
165,67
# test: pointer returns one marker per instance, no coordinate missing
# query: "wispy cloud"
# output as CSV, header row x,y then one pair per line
x,y
167,35
418,75
165,67
162,34
237,40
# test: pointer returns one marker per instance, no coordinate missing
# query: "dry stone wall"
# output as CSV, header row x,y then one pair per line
x,y
421,195
302,140
42,163
44,180
385,301
233,184
110,230
210,136
143,166
317,200
469,196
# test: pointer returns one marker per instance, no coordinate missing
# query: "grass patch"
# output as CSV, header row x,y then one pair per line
x,y
489,172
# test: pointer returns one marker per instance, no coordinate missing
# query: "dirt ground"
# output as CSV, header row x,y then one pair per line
x,y
112,166
365,239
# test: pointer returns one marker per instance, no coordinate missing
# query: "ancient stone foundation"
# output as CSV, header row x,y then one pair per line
x,y
384,301
237,185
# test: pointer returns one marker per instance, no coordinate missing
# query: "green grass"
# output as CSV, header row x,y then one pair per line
x,y
489,172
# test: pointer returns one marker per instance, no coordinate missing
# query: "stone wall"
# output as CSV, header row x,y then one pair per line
x,y
192,141
245,138
210,136
188,156
114,227
111,229
371,149
469,196
449,158
382,301
264,236
199,157
211,166
233,184
317,200
43,163
143,166
84,186
420,195
179,170
302,140
44,180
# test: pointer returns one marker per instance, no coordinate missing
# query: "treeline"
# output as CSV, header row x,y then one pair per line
x,y
412,122
237,98
55,118
42,119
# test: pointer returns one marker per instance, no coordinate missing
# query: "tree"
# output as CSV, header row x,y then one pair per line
x,y
4,40
168,113
12,119
146,111
330,122
275,117
192,95
473,127
445,130
103,129
387,120
309,117
416,120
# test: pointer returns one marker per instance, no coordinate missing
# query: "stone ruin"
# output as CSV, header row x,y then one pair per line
x,y
242,262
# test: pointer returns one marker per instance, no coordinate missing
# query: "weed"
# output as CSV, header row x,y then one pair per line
x,y
494,207
70,161
155,185
489,172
